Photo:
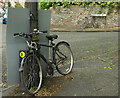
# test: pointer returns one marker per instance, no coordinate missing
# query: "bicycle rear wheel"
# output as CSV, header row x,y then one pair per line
x,y
32,74
64,58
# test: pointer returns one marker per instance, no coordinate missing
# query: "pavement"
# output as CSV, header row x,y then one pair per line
x,y
3,67
94,53
95,71
0,57
77,29
3,50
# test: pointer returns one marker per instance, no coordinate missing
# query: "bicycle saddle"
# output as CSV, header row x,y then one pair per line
x,y
51,37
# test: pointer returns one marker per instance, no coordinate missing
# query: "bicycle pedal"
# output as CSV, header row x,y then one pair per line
x,y
50,70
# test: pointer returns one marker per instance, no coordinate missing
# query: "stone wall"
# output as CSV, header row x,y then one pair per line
x,y
74,16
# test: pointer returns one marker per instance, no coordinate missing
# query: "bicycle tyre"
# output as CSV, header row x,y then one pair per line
x,y
85,25
34,72
94,24
62,54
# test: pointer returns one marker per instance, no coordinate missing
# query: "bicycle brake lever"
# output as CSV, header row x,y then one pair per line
x,y
15,35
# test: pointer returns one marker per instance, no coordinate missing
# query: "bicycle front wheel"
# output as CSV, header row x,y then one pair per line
x,y
32,74
64,58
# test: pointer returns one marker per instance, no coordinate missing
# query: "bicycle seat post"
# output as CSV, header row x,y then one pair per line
x,y
52,43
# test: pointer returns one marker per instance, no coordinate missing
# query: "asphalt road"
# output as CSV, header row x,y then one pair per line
x,y
94,53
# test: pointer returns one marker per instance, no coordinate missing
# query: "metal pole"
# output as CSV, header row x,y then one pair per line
x,y
33,15
34,19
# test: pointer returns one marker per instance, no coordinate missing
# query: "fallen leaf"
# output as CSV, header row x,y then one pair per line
x,y
75,95
113,84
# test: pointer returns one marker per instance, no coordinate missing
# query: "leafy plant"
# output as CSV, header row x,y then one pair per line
x,y
47,5
56,4
17,5
67,4
109,10
44,5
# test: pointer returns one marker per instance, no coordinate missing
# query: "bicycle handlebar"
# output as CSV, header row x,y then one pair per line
x,y
19,34
22,34
15,34
42,31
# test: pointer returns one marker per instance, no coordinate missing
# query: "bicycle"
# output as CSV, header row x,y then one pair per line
x,y
92,23
31,69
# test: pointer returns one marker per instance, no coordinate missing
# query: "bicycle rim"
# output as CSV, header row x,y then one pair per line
x,y
32,74
64,59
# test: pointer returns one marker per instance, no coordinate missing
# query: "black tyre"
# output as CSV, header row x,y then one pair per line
x,y
32,74
94,24
64,58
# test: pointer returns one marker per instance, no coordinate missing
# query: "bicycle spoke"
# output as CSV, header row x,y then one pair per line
x,y
64,59
61,53
27,81
32,74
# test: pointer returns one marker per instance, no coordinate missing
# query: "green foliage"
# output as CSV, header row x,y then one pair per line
x,y
109,67
67,4
109,10
118,3
47,5
18,5
93,3
44,5
56,4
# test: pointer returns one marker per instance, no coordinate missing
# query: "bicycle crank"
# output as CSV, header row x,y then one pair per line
x,y
50,69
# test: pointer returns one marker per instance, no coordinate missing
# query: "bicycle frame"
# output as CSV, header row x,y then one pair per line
x,y
53,46
38,54
35,50
89,23
53,54
86,22
92,20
